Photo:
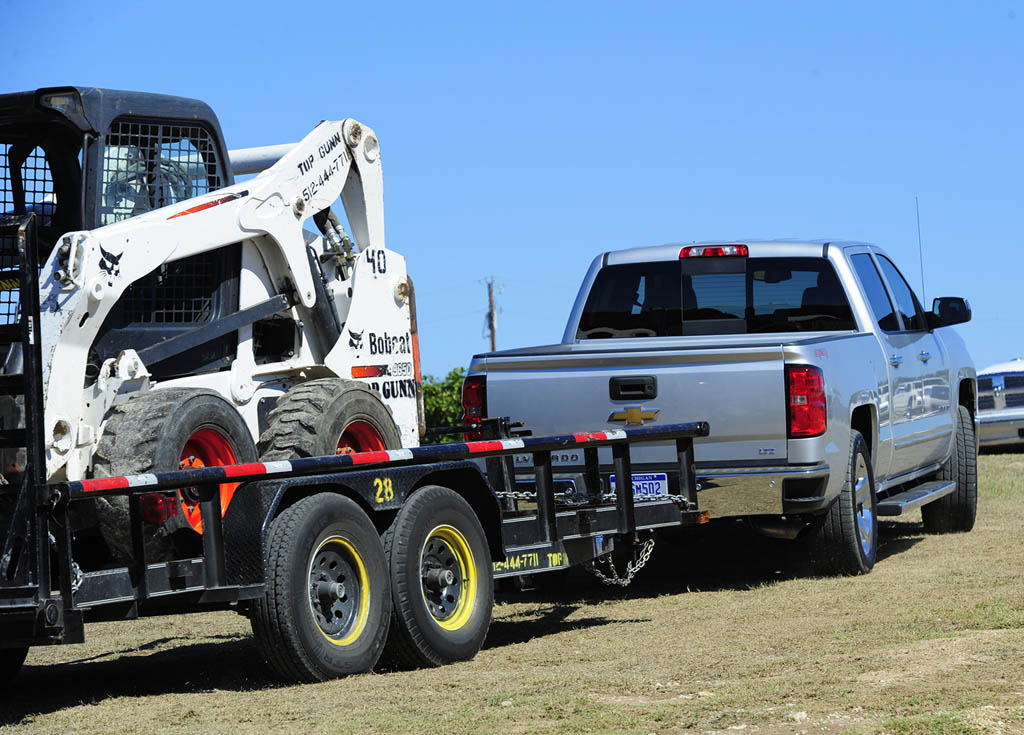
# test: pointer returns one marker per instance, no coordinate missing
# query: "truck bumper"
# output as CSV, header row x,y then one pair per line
x,y
996,428
724,491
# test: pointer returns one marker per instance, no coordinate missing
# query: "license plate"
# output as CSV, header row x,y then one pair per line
x,y
647,485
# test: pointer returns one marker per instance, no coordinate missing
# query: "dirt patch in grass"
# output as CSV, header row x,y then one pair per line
x,y
725,632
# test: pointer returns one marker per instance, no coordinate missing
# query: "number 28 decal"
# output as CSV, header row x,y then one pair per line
x,y
385,489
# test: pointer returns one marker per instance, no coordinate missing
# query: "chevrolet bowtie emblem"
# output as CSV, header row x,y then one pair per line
x,y
634,415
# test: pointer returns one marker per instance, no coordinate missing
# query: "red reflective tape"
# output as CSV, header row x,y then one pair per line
x,y
489,446
369,457
253,468
208,205
590,437
104,483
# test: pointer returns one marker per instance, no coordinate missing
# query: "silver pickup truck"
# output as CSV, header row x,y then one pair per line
x,y
833,397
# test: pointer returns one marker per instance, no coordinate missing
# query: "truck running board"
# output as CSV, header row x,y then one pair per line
x,y
915,497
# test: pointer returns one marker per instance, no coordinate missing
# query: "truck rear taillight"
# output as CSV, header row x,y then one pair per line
x,y
714,251
805,393
474,403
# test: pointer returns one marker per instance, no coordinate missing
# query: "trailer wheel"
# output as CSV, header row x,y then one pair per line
x,y
442,583
328,416
11,660
328,602
956,512
163,431
845,539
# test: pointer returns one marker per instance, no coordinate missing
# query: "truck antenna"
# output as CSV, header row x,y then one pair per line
x,y
920,250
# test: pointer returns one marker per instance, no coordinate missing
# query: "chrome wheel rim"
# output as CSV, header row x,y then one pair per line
x,y
863,505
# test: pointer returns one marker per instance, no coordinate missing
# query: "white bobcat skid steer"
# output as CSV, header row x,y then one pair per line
x,y
187,320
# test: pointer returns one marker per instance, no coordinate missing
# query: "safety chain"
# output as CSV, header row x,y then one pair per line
x,y
631,568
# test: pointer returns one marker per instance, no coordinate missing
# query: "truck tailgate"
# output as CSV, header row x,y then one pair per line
x,y
740,390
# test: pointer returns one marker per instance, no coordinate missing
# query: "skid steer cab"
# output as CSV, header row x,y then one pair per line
x,y
158,315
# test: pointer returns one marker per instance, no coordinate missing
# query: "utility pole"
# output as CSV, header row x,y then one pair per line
x,y
492,317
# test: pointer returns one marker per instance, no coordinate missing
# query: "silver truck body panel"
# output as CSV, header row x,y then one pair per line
x,y
1001,404
901,385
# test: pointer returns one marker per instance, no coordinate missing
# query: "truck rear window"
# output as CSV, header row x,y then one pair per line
x,y
715,296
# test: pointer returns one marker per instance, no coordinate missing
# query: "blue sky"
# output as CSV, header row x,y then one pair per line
x,y
520,140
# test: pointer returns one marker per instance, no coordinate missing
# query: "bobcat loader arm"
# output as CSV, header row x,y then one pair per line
x,y
88,271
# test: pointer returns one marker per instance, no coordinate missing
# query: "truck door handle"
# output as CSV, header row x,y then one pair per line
x,y
633,387
924,356
896,360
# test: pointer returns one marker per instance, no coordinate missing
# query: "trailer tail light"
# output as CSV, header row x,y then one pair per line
x,y
805,393
156,508
714,251
474,404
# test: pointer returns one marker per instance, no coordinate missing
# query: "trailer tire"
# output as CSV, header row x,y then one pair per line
x,y
438,619
956,512
327,606
845,539
328,416
11,660
154,432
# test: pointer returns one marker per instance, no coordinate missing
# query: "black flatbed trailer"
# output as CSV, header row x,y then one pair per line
x,y
318,551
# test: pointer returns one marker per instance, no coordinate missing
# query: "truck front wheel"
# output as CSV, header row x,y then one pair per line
x,y
441,580
845,539
956,512
328,601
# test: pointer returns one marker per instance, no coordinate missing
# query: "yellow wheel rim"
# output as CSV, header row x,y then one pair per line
x,y
448,577
339,591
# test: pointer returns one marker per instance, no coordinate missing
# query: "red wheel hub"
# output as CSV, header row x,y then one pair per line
x,y
206,448
360,436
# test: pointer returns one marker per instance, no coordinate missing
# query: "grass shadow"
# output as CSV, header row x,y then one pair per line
x,y
229,662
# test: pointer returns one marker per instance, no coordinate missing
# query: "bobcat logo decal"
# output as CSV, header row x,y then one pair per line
x,y
355,339
110,263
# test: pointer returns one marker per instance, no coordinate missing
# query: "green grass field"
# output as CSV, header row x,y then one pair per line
x,y
723,632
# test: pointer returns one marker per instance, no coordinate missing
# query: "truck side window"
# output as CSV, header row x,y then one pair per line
x,y
906,301
874,289
633,300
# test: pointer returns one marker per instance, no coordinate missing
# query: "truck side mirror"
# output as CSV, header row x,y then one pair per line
x,y
949,310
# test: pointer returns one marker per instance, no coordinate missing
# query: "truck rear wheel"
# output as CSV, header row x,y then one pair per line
x,y
328,416
11,660
845,539
161,431
328,601
442,583
956,512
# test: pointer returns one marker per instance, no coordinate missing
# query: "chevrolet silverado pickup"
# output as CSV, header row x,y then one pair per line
x,y
833,397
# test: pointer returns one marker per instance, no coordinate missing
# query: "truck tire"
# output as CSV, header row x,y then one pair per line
x,y
328,602
955,513
328,416
162,431
845,539
442,583
11,660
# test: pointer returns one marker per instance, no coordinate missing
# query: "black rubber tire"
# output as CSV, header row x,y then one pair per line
x,y
11,660
147,434
292,642
309,419
836,541
956,512
417,638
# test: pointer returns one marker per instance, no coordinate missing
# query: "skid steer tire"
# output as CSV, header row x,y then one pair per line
x,y
328,601
162,431
955,513
438,619
845,540
11,660
328,416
